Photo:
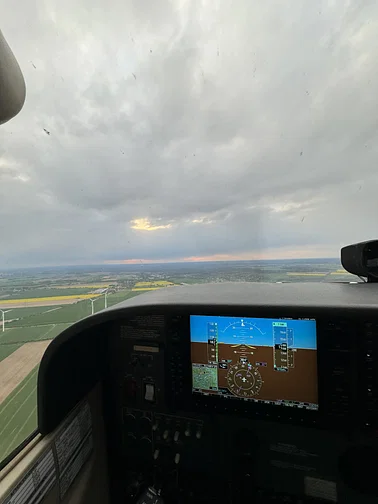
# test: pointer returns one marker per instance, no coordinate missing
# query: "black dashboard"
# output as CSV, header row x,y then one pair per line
x,y
229,392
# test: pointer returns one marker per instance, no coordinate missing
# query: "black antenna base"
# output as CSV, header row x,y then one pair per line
x,y
361,259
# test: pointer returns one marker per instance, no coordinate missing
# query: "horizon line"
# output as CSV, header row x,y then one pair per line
x,y
135,262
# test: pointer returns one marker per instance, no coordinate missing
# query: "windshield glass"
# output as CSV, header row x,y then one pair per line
x,y
166,143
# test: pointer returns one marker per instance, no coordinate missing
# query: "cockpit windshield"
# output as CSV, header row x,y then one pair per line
x,y
175,142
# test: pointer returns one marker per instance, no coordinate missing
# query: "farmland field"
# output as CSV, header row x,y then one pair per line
x,y
156,283
50,292
31,333
18,414
86,287
62,314
19,364
44,300
16,313
150,286
68,313
6,350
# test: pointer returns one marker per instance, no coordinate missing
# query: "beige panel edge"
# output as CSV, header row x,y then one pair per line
x,y
13,477
9,467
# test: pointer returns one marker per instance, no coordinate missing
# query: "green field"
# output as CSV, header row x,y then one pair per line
x,y
31,333
61,314
68,313
37,293
18,414
14,313
6,350
118,297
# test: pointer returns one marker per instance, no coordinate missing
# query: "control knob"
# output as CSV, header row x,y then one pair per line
x,y
129,420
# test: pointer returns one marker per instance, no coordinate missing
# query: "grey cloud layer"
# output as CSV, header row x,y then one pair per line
x,y
257,120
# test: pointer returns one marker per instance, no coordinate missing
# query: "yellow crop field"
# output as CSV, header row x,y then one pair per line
x,y
82,286
156,283
340,272
307,274
147,286
51,298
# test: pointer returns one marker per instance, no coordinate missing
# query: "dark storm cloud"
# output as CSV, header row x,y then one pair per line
x,y
163,130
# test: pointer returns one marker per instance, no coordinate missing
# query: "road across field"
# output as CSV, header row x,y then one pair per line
x,y
15,367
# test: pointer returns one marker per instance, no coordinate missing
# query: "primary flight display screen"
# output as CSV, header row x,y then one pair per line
x,y
255,359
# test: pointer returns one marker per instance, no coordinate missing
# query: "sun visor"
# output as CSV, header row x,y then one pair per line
x,y
12,84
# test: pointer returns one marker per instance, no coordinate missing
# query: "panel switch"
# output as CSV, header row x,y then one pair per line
x,y
149,392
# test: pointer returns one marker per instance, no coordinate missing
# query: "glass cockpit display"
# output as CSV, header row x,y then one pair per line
x,y
255,359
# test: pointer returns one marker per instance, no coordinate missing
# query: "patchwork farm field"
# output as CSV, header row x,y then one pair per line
x,y
149,286
31,333
18,414
6,350
16,313
64,314
44,301
26,326
50,292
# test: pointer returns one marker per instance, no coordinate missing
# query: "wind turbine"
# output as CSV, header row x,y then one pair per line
x,y
3,314
92,302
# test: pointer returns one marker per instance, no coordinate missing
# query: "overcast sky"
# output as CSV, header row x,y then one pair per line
x,y
183,130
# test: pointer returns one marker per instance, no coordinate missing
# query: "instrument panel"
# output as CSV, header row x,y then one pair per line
x,y
273,361
258,405
228,394
308,370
